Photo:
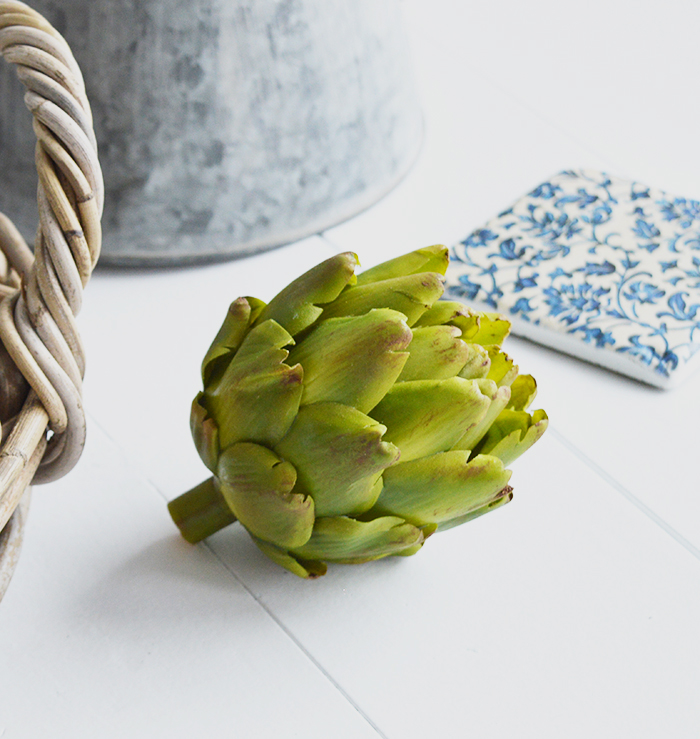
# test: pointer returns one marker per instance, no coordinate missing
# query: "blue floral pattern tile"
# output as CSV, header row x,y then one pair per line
x,y
599,267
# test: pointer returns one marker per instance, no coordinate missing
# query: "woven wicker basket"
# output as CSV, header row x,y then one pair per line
x,y
42,363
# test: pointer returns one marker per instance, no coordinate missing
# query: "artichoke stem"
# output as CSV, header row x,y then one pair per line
x,y
201,511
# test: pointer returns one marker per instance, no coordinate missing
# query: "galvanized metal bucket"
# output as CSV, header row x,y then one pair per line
x,y
227,127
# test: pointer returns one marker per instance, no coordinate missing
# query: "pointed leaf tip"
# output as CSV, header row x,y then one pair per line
x,y
441,487
353,360
349,541
298,306
436,353
339,456
428,259
204,433
258,395
512,434
522,392
241,314
307,569
411,295
428,416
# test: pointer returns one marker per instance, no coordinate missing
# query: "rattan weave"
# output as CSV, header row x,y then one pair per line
x,y
42,292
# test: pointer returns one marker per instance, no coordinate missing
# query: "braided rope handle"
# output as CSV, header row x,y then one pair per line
x,y
37,318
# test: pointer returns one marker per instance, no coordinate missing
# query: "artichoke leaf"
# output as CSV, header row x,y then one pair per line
x,y
258,395
428,259
522,392
493,329
241,314
499,397
437,353
503,497
339,456
411,295
478,364
428,530
512,434
441,487
204,433
502,369
452,313
477,327
297,306
308,569
258,487
353,360
428,416
348,541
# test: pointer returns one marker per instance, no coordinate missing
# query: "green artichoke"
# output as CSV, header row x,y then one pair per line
x,y
355,415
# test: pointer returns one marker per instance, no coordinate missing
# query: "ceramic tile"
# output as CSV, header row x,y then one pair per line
x,y
114,627
595,266
566,613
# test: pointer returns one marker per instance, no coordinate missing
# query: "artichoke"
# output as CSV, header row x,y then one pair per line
x,y
355,415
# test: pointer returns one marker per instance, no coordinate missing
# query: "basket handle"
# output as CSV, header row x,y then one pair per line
x,y
37,322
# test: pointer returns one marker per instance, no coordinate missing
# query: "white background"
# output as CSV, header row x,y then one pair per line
x,y
571,612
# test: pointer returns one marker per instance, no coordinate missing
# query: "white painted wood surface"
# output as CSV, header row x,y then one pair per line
x,y
571,612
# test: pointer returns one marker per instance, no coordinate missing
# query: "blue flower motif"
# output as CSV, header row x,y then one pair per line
x,y
559,272
480,238
545,191
672,244
694,272
590,335
615,313
468,289
639,350
668,211
627,263
645,230
600,215
679,310
548,225
572,228
643,292
572,301
681,209
637,194
667,363
522,306
522,282
665,266
605,268
507,250
583,199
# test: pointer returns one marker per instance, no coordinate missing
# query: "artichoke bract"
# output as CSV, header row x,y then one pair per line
x,y
355,415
